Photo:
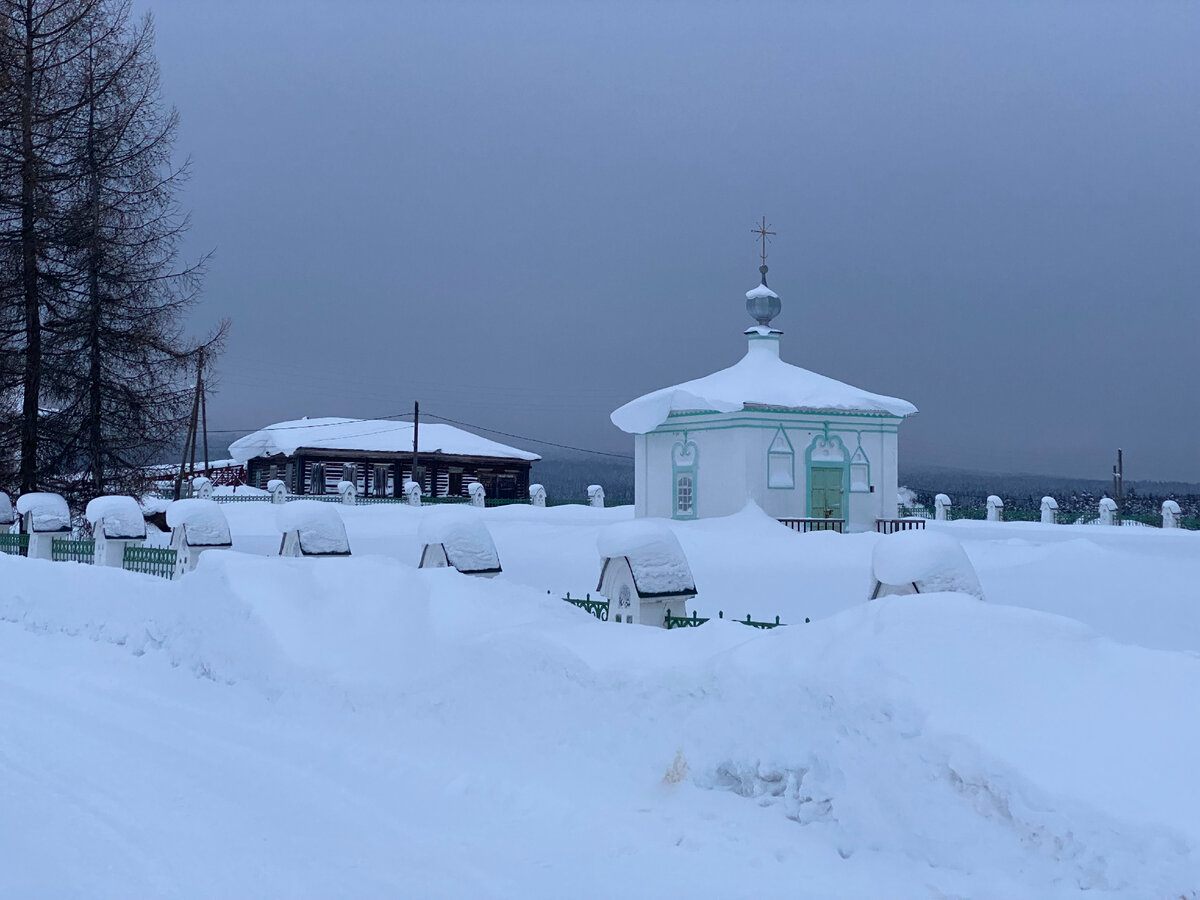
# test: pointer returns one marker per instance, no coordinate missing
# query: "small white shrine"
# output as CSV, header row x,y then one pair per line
x,y
196,527
43,517
798,444
921,562
116,523
643,573
459,542
311,528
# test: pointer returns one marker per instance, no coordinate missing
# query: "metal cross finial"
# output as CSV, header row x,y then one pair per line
x,y
762,232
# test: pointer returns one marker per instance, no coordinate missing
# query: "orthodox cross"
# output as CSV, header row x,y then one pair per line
x,y
762,232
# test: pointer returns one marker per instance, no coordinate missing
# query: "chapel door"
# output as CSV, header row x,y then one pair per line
x,y
825,486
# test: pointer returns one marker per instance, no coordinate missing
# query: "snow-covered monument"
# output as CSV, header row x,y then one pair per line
x,y
43,517
196,527
311,528
920,562
458,542
117,522
643,573
799,444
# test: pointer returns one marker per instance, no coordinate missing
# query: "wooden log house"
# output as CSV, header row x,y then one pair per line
x,y
312,455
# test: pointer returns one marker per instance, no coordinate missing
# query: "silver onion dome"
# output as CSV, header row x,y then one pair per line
x,y
763,303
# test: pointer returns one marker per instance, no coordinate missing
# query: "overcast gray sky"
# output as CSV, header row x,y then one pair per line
x,y
525,214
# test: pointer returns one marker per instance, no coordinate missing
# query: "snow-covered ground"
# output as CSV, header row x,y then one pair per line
x,y
356,727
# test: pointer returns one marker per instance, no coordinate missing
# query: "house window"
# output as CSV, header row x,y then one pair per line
x,y
350,474
317,479
454,486
684,495
379,481
781,462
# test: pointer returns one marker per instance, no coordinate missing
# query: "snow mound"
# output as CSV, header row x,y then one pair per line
x,y
932,562
120,517
318,525
468,543
655,557
760,378
204,520
49,511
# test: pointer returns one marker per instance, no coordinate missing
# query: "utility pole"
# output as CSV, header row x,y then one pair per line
x,y
1119,479
189,442
203,408
416,428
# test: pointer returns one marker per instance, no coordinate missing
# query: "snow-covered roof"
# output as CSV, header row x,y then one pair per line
x,y
49,512
319,526
368,435
655,557
760,378
1049,503
120,517
468,544
206,525
1171,506
7,514
932,562
760,291
1108,503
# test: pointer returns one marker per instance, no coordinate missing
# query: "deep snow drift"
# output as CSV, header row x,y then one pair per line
x,y
356,727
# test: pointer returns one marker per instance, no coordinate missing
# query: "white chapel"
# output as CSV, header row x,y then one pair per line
x,y
798,444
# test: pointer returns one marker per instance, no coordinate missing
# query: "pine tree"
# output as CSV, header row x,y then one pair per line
x,y
121,366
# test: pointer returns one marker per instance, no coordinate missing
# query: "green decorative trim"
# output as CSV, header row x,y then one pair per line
x,y
790,454
786,411
812,425
856,461
681,448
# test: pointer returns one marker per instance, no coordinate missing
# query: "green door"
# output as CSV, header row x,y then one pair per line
x,y
825,492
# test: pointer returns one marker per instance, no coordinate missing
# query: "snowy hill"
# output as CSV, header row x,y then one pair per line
x,y
360,728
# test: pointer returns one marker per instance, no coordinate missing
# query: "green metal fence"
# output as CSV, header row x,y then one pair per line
x,y
598,608
149,560
694,621
65,550
14,544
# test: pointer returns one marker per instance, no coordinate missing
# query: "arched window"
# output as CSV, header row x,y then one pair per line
x,y
685,496
683,476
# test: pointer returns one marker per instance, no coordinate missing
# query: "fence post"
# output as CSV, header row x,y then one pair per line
x,y
1108,509
1170,514
995,509
346,489
412,493
202,487
595,495
478,494
941,507
1049,509
278,490
537,495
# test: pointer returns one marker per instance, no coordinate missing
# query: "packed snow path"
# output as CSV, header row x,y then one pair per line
x,y
355,727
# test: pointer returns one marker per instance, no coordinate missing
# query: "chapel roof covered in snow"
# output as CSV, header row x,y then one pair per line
x,y
318,526
758,379
119,518
368,435
47,512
